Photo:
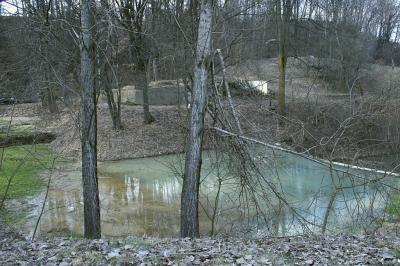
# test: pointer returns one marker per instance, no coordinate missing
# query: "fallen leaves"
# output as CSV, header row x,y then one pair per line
x,y
305,250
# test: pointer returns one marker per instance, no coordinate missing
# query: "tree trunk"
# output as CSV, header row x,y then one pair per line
x,y
143,81
49,99
282,21
88,126
108,69
113,106
142,67
191,179
282,80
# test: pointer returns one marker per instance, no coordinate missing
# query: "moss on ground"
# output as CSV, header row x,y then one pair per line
x,y
23,130
15,129
20,134
20,169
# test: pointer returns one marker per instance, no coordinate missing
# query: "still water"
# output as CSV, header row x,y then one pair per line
x,y
142,197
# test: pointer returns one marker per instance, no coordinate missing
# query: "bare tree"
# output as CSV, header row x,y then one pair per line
x,y
191,179
107,63
89,125
132,13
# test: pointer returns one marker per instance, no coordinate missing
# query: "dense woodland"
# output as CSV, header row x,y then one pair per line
x,y
130,33
329,94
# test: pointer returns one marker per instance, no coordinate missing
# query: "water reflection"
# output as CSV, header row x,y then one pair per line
x,y
142,197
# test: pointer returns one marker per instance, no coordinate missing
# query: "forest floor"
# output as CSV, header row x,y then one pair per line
x,y
317,120
136,140
167,134
379,248
164,136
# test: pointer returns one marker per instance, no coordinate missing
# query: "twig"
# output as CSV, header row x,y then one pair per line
x,y
45,199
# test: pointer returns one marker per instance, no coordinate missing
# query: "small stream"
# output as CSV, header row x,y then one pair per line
x,y
142,197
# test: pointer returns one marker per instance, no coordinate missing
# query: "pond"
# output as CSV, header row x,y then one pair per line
x,y
141,197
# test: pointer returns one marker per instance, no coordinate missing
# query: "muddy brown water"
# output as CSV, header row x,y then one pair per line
x,y
141,197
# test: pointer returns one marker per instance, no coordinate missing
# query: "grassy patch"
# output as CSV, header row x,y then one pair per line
x,y
393,207
11,217
397,253
66,233
21,167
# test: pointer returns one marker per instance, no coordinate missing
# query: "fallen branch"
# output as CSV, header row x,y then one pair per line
x,y
317,160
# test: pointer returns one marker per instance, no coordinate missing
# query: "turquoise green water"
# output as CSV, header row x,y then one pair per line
x,y
142,197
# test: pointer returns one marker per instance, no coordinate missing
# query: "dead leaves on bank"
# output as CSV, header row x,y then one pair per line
x,y
304,250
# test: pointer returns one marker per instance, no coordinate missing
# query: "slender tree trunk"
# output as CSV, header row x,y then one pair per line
x,y
49,99
88,125
108,77
191,179
283,13
143,81
113,106
282,80
138,52
282,32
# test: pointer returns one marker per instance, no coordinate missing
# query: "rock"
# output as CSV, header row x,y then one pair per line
x,y
309,262
265,261
42,247
126,247
142,254
241,261
112,254
63,243
387,256
167,253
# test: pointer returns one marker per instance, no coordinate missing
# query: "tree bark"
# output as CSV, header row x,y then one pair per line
x,y
89,125
191,180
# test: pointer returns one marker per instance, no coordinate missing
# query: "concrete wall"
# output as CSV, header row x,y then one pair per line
x,y
160,93
125,94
